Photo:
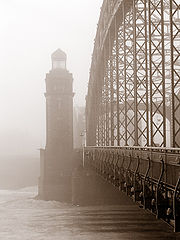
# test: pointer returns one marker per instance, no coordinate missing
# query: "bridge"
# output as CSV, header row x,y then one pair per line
x,y
133,103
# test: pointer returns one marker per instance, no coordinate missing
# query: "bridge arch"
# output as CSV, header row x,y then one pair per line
x,y
134,86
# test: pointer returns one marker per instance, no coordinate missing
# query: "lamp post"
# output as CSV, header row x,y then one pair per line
x,y
83,143
81,135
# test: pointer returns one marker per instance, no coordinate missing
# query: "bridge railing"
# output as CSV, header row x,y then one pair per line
x,y
149,175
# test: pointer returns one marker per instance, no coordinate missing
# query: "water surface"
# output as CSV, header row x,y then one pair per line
x,y
24,218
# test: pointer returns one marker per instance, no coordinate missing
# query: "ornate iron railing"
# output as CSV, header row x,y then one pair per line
x,y
150,176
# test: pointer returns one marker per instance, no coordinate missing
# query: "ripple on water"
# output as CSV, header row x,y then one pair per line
x,y
24,218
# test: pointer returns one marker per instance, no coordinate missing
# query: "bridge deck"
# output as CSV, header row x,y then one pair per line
x,y
122,223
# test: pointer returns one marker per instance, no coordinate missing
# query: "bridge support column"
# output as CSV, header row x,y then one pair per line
x,y
56,158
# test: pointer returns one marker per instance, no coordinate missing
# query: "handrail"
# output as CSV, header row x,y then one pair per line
x,y
137,147
149,190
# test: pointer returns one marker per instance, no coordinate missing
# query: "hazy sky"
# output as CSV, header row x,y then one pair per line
x,y
30,30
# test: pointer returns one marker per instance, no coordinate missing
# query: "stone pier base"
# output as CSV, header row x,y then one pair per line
x,y
61,191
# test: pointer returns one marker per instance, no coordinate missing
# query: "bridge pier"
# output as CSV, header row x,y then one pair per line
x,y
57,191
56,158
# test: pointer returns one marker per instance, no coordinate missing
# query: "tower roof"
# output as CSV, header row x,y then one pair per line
x,y
58,55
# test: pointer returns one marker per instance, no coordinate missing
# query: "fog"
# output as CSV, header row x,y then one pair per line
x,y
30,31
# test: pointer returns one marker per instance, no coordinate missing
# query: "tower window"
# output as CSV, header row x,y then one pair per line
x,y
59,64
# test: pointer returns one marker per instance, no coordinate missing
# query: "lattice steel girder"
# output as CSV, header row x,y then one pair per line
x,y
157,67
130,79
112,81
99,97
107,100
117,56
141,73
121,87
175,70
137,43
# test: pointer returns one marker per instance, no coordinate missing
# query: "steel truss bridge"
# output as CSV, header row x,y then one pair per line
x,y
133,103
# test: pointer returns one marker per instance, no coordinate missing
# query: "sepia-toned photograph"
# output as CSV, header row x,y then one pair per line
x,y
90,120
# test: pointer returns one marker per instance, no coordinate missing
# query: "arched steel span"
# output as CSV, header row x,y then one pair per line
x,y
134,85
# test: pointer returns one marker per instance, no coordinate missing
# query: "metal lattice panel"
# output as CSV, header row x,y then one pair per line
x,y
108,96
157,73
140,9
134,88
175,70
129,78
121,88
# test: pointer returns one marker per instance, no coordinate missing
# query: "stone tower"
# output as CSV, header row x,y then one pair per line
x,y
56,158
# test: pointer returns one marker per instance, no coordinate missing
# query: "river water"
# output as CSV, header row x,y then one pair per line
x,y
24,218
